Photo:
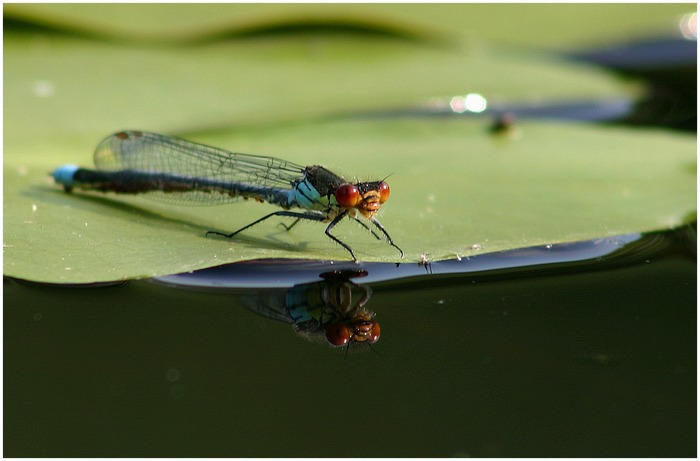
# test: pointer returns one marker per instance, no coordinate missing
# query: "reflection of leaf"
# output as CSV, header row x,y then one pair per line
x,y
453,184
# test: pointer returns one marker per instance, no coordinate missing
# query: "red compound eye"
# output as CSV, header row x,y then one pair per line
x,y
374,334
338,334
348,195
384,192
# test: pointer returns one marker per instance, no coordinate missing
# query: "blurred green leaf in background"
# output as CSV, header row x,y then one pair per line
x,y
357,88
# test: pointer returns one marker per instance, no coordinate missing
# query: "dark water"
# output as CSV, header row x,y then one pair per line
x,y
592,357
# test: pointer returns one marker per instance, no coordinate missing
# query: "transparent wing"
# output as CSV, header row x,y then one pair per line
x,y
156,153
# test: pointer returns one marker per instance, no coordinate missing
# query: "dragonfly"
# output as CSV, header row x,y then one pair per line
x,y
182,172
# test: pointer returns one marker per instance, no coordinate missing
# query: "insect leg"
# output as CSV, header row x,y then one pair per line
x,y
381,228
377,236
332,224
312,217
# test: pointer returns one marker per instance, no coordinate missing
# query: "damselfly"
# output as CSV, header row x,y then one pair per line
x,y
184,172
333,308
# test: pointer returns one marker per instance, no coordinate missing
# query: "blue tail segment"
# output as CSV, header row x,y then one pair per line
x,y
64,175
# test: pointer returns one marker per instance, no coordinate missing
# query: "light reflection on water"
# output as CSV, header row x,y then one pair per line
x,y
688,25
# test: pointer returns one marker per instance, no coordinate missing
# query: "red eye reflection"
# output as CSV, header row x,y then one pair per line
x,y
338,334
384,192
348,195
374,334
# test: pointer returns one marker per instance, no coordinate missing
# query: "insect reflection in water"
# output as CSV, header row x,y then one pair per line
x,y
333,308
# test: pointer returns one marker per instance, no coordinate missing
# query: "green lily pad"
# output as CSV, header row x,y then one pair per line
x,y
543,25
456,188
456,191
75,91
